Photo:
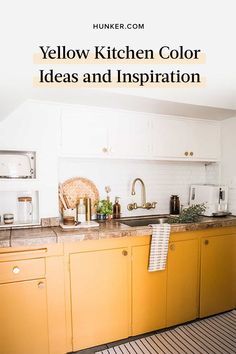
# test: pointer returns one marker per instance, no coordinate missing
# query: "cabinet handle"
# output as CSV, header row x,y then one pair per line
x,y
16,270
206,242
125,253
41,285
191,153
105,150
172,247
186,153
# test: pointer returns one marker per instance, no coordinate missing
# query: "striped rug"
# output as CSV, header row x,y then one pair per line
x,y
214,335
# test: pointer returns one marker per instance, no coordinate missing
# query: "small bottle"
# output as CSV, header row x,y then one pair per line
x,y
81,211
116,209
174,205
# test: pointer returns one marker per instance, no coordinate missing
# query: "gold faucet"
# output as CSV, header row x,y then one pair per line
x,y
145,204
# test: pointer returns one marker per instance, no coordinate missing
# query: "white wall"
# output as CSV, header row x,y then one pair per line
x,y
228,169
35,126
162,179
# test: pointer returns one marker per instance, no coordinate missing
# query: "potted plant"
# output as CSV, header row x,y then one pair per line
x,y
104,209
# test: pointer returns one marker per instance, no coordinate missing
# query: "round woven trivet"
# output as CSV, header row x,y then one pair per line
x,y
79,187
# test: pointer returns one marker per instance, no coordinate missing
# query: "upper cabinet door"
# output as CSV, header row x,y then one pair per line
x,y
183,138
206,140
84,132
170,137
129,135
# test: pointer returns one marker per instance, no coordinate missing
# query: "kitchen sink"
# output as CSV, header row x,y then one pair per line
x,y
144,221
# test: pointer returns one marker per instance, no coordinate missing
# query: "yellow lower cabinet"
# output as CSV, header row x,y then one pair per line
x,y
23,318
234,273
56,305
217,286
182,282
148,293
99,297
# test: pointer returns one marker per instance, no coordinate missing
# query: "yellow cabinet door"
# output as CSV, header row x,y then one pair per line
x,y
23,318
99,297
148,293
217,287
182,282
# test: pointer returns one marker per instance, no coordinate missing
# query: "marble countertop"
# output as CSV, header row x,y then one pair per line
x,y
108,229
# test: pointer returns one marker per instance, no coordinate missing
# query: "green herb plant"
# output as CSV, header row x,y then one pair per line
x,y
188,215
104,207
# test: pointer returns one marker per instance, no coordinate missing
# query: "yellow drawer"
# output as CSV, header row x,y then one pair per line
x,y
22,270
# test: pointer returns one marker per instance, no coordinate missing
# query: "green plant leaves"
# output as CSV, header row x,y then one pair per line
x,y
189,215
104,206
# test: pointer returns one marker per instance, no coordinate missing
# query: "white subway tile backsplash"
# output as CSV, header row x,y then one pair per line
x,y
232,200
162,179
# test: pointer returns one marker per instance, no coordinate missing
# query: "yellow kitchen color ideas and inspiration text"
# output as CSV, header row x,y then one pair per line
x,y
113,77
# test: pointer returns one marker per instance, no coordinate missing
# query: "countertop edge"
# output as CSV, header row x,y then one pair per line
x,y
106,230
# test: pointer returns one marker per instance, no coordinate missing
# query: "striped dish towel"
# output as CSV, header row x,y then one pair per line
x,y
159,247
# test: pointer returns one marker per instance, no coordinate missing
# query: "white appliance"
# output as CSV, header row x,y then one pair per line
x,y
215,197
17,164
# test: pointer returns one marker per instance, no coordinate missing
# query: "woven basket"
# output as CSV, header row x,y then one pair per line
x,y
78,187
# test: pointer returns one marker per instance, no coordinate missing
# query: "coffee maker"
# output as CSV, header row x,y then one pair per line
x,y
215,198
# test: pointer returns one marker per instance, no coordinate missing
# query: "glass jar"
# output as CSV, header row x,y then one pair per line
x,y
174,205
25,210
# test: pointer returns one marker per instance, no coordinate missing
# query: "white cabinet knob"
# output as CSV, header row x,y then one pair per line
x,y
16,270
105,150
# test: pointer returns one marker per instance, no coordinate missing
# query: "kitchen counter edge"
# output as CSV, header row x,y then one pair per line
x,y
109,229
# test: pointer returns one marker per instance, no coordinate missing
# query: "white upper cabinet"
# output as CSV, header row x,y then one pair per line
x,y
206,140
84,132
108,133
93,132
185,139
129,135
